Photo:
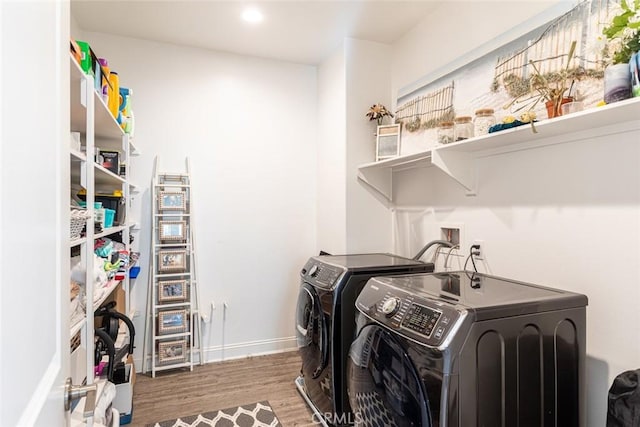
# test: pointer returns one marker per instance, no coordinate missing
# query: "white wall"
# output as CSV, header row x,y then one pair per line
x,y
457,28
331,225
368,73
249,128
566,216
350,219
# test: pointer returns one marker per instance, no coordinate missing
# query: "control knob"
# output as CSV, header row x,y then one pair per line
x,y
313,271
391,306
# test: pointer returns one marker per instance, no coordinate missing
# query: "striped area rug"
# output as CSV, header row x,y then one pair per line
x,y
258,414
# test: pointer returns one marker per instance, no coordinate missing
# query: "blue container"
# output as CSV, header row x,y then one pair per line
x,y
126,418
109,215
134,271
96,205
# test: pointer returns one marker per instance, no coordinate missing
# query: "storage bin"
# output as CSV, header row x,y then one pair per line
x,y
99,216
123,401
109,215
85,57
96,205
126,418
78,221
111,202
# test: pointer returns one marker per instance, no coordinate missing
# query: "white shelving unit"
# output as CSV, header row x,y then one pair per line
x,y
92,119
458,159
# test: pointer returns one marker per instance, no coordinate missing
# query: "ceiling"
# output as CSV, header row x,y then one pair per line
x,y
298,31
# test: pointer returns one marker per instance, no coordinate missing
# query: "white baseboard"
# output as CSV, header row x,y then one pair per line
x,y
248,349
239,350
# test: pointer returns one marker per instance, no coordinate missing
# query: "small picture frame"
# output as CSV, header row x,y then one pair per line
x,y
172,290
172,200
172,260
172,351
172,230
387,142
172,321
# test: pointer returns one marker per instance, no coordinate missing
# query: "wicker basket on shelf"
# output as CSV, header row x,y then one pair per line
x,y
78,221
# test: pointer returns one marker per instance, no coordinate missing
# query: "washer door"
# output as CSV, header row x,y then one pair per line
x,y
311,332
384,388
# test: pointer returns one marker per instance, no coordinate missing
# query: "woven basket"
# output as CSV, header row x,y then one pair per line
x,y
78,222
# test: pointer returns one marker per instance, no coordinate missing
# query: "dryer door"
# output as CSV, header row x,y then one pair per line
x,y
311,332
384,388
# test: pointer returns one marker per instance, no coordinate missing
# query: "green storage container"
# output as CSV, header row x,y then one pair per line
x,y
86,62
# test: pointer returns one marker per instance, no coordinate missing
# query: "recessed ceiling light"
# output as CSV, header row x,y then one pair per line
x,y
252,15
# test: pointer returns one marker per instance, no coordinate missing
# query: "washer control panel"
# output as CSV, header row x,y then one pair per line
x,y
421,319
426,320
319,274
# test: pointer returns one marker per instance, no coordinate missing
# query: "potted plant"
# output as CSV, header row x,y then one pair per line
x,y
378,112
623,40
553,88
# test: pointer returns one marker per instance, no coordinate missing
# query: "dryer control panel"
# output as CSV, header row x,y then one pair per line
x,y
428,321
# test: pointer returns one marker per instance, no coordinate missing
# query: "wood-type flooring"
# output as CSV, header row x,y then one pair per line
x,y
222,385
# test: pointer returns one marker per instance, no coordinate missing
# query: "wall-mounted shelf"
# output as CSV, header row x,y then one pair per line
x,y
106,290
77,242
379,175
458,159
105,176
109,231
104,124
75,328
77,156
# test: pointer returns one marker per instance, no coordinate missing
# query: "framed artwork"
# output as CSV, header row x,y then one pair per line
x,y
172,230
172,200
513,74
172,321
387,142
172,290
172,351
172,260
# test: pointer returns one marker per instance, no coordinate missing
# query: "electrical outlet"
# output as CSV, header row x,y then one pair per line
x,y
480,250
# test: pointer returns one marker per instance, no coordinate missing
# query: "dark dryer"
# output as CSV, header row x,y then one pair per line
x,y
325,324
463,349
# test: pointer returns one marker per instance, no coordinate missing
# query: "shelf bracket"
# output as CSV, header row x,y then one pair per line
x,y
85,92
378,180
83,174
458,165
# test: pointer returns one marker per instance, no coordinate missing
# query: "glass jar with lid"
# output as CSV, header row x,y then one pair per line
x,y
484,119
445,132
463,128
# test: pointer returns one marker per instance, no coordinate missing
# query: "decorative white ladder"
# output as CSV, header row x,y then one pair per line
x,y
173,324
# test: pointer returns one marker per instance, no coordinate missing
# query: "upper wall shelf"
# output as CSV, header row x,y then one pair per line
x,y
379,175
458,159
106,126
